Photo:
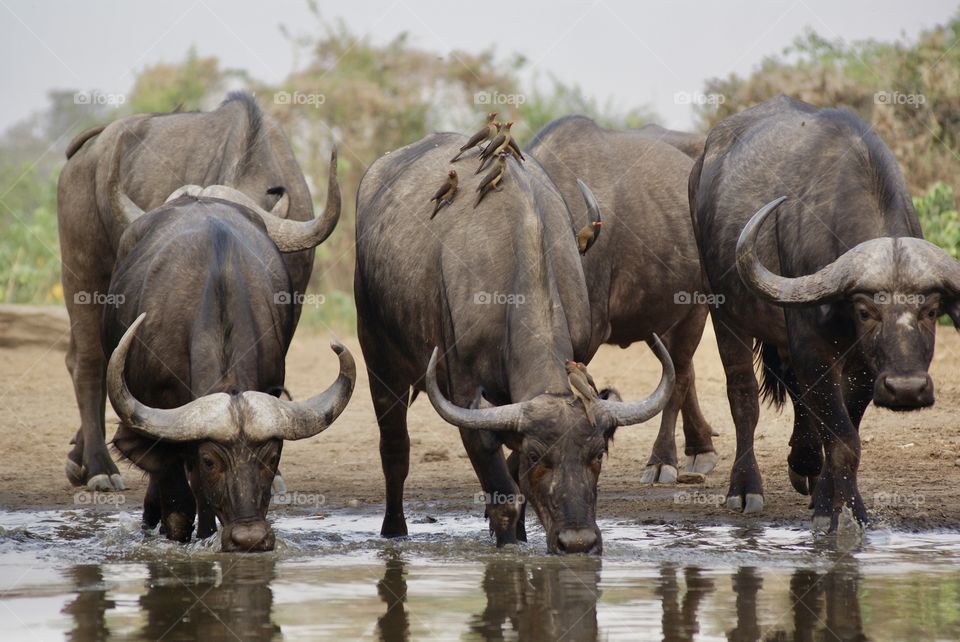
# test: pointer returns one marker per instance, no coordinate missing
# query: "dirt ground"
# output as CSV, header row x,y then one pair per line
x,y
909,475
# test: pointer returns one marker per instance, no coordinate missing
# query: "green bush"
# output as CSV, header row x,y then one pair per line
x,y
30,251
939,218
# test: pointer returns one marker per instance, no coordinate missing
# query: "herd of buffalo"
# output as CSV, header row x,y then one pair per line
x,y
790,224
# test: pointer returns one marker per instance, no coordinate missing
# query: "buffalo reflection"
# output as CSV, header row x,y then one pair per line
x,y
209,600
533,600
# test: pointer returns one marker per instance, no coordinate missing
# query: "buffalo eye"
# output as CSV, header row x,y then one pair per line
x,y
599,457
864,314
209,463
533,457
932,313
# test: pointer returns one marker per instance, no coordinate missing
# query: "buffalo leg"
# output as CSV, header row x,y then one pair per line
x,y
177,505
513,463
682,341
152,510
206,518
502,493
805,460
89,461
390,404
746,485
837,486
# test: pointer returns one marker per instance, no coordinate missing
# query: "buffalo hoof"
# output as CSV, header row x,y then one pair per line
x,y
801,483
702,463
76,475
821,523
105,483
178,526
393,527
754,503
659,474
691,478
278,487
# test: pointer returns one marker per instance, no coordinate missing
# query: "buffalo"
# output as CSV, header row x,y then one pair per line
x,y
490,303
643,275
235,145
807,230
688,143
203,321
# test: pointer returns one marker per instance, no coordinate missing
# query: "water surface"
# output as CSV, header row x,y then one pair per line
x,y
93,574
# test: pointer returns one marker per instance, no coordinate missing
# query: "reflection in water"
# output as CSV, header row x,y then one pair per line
x,y
204,600
90,605
680,621
394,625
536,601
766,585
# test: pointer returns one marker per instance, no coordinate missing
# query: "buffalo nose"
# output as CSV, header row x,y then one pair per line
x,y
914,390
251,536
577,540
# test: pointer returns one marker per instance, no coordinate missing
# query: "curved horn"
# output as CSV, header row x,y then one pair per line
x,y
507,417
189,190
627,413
290,236
208,417
266,416
829,283
124,210
593,208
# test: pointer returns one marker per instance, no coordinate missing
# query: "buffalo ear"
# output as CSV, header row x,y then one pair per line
x,y
147,453
952,308
610,394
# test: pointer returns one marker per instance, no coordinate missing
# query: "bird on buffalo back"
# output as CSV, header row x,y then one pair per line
x,y
493,178
445,194
499,144
485,133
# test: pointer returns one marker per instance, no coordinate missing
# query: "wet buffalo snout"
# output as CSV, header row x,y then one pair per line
x,y
248,537
912,391
577,540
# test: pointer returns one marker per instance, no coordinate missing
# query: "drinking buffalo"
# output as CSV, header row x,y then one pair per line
x,y
199,333
807,230
490,303
234,145
643,274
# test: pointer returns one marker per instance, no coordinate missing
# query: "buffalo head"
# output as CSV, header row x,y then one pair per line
x,y
232,442
561,449
893,289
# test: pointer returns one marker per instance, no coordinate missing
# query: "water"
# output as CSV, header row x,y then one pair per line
x,y
92,575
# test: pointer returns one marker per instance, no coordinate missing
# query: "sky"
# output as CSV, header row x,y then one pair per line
x,y
628,52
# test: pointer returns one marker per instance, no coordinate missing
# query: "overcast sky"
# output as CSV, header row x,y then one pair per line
x,y
633,52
